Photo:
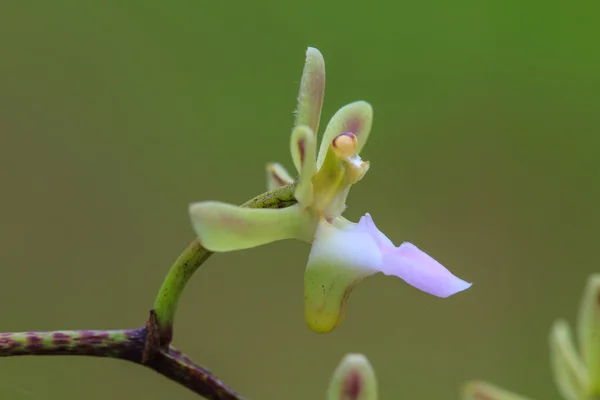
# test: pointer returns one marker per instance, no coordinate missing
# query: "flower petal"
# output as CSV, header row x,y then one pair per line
x,y
420,270
225,227
480,390
414,266
312,91
277,176
303,148
339,259
355,117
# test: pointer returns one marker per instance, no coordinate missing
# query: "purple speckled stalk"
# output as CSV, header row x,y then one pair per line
x,y
122,344
118,343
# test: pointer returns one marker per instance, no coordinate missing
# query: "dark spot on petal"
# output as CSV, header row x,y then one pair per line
x,y
277,178
352,386
302,150
354,124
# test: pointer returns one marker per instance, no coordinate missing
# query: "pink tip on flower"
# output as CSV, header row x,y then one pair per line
x,y
413,265
420,270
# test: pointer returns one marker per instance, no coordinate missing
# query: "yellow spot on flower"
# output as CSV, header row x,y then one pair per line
x,y
345,144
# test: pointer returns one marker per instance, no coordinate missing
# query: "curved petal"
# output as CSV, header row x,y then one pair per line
x,y
414,266
420,270
303,147
312,91
225,227
355,117
277,176
339,259
480,390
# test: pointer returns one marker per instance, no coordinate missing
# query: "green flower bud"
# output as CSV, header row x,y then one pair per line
x,y
569,371
589,332
354,379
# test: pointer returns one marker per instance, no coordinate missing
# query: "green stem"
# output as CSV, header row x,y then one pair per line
x,y
165,304
126,345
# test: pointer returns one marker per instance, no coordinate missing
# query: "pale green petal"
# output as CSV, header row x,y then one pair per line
x,y
312,91
339,260
355,117
354,379
225,227
303,147
277,176
570,374
589,332
479,390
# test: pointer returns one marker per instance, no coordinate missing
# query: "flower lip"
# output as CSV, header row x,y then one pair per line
x,y
345,144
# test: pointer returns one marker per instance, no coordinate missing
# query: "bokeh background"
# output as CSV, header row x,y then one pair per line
x,y
115,115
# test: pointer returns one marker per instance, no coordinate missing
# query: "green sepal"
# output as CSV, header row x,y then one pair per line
x,y
312,91
225,227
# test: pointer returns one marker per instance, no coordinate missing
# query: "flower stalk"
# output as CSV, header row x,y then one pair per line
x,y
128,345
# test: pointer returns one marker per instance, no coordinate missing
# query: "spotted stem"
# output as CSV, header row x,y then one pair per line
x,y
126,345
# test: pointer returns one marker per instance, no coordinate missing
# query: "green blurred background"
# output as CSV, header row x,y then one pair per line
x,y
115,115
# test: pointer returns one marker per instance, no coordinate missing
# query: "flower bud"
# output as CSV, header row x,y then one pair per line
x,y
277,176
569,371
589,332
354,379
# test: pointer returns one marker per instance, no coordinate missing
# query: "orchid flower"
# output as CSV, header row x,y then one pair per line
x,y
343,253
